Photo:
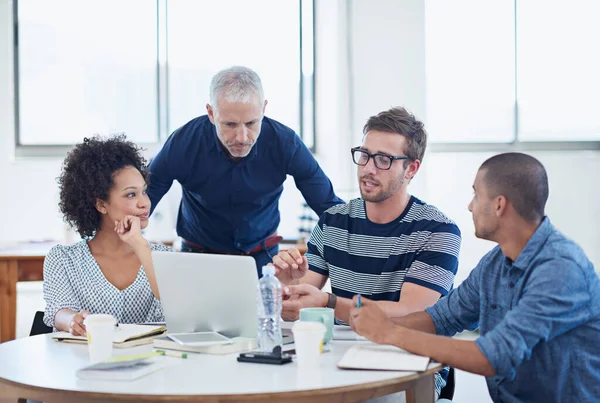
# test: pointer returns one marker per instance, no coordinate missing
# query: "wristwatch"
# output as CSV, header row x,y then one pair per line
x,y
331,301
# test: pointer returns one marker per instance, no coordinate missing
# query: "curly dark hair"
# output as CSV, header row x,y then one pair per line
x,y
87,175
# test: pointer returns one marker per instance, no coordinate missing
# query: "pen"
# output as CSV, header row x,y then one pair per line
x,y
358,300
170,353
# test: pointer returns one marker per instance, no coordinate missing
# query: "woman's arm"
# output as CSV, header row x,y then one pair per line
x,y
67,320
58,290
130,232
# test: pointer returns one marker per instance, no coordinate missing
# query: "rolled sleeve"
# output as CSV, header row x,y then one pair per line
x,y
57,289
436,263
555,301
459,310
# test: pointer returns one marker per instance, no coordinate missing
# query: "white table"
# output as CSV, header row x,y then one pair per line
x,y
42,369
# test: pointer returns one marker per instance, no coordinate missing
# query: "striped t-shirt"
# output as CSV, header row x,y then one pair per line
x,y
361,257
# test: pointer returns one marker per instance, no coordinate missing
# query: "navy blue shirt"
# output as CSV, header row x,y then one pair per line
x,y
233,206
539,320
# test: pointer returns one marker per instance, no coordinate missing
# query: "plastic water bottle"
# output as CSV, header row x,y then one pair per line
x,y
269,311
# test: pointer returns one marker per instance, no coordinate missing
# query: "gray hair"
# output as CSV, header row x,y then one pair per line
x,y
235,84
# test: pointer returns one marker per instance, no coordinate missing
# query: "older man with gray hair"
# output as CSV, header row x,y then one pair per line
x,y
231,164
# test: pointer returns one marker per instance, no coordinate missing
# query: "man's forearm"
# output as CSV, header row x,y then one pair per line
x,y
420,321
461,354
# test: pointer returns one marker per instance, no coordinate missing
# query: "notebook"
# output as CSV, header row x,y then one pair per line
x,y
122,368
126,335
382,357
237,345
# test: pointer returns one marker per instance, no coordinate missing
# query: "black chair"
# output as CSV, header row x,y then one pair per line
x,y
447,391
38,326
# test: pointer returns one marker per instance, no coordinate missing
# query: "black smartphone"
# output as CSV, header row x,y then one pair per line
x,y
261,358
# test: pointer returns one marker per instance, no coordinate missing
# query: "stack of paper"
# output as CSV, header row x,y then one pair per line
x,y
126,335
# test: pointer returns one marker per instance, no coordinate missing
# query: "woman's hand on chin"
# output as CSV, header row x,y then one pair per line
x,y
129,230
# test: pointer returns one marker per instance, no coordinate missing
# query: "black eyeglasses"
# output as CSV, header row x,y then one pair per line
x,y
382,161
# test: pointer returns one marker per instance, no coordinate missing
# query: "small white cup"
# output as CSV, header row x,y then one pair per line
x,y
308,339
100,329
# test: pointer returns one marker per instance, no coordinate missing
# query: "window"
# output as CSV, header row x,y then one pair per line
x,y
143,67
558,85
512,71
469,71
84,69
205,36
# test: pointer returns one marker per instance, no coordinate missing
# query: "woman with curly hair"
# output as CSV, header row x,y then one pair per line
x,y
103,196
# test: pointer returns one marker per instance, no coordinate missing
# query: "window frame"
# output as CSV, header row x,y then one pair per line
x,y
162,85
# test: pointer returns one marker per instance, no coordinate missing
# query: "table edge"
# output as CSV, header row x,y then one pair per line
x,y
295,394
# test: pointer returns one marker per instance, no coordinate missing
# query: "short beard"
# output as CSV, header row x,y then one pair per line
x,y
383,195
239,156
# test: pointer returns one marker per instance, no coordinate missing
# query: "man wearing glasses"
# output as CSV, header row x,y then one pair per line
x,y
387,245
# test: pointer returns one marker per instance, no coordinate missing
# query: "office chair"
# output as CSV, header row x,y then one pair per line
x,y
447,391
38,326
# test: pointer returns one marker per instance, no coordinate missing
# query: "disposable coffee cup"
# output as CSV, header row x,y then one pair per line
x,y
308,340
100,330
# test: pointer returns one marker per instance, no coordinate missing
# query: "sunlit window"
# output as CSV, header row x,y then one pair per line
x,y
143,67
504,71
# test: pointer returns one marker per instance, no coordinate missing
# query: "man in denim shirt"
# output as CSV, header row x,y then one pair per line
x,y
535,298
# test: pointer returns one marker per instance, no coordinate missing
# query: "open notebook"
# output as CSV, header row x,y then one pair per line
x,y
126,335
382,357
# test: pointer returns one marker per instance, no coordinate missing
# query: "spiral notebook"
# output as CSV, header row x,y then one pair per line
x,y
382,357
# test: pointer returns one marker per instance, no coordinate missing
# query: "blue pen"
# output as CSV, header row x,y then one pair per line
x,y
358,301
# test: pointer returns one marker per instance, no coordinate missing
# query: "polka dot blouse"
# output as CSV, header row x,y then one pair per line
x,y
73,280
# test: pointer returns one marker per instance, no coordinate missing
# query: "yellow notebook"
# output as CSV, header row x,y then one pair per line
x,y
126,335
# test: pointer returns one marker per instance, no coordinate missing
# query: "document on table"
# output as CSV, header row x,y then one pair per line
x,y
382,357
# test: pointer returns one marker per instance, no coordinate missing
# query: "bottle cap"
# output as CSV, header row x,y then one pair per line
x,y
268,270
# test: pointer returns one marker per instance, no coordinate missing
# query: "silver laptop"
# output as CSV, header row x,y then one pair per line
x,y
204,292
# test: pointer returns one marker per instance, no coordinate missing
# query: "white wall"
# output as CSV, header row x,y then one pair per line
x,y
386,69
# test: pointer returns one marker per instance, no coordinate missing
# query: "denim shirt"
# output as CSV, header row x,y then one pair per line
x,y
539,320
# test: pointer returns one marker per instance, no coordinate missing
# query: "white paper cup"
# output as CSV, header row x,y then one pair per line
x,y
308,339
100,329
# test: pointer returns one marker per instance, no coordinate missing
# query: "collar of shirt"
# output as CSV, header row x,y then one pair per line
x,y
532,249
